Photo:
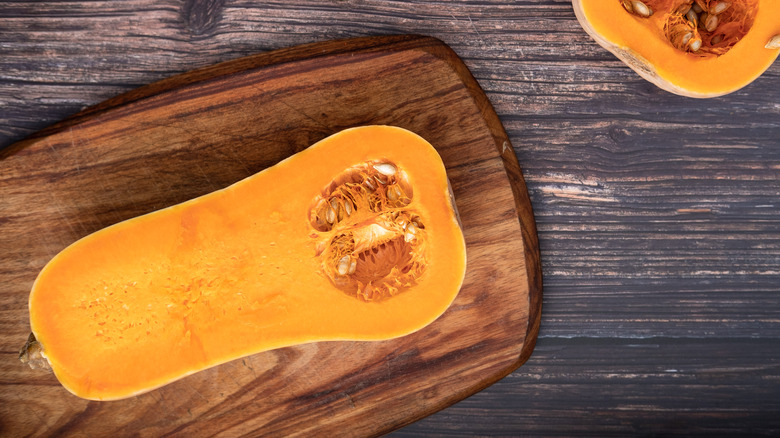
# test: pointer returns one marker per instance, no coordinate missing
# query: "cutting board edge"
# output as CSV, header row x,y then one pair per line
x,y
525,215
523,204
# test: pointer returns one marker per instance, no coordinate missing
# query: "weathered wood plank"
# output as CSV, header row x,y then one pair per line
x,y
607,387
657,215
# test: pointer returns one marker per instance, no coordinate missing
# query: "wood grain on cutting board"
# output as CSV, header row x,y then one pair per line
x,y
201,131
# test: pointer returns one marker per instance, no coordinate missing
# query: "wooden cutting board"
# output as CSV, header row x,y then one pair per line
x,y
201,131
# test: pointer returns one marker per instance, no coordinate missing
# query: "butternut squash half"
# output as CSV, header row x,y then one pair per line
x,y
354,238
694,48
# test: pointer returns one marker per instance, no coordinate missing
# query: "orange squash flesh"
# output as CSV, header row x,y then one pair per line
x,y
644,45
245,269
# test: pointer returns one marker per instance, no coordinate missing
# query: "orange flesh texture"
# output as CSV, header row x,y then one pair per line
x,y
708,75
144,302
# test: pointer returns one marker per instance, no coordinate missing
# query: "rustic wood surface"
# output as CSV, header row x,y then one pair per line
x,y
658,216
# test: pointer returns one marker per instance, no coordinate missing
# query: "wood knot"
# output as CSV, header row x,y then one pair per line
x,y
202,16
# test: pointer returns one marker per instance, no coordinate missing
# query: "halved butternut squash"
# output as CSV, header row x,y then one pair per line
x,y
354,238
694,48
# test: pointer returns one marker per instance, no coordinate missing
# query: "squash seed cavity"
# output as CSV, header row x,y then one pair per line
x,y
704,28
371,244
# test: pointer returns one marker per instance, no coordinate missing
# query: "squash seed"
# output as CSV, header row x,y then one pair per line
x,y
695,44
348,208
686,38
680,36
717,38
334,205
692,17
641,9
711,22
330,215
697,8
719,7
343,266
386,169
393,192
684,8
774,42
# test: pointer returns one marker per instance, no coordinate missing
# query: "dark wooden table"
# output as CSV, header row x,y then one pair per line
x,y
658,216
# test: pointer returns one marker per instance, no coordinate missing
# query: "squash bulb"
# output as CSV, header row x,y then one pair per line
x,y
354,238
